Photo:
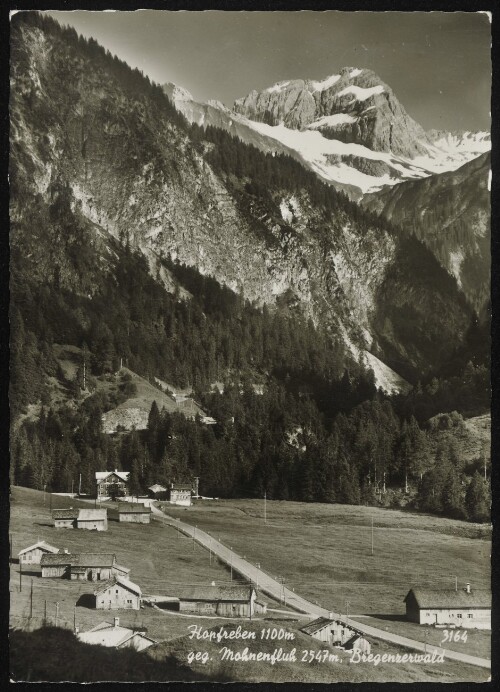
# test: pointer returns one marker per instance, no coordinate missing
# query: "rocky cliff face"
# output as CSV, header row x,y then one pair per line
x,y
450,213
131,170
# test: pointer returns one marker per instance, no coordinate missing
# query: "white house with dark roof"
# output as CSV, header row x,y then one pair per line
x,y
113,635
468,608
111,483
33,553
118,593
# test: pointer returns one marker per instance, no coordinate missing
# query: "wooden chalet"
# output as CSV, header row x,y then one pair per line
x,y
135,512
65,518
113,635
227,601
118,593
337,633
111,483
82,566
91,519
33,554
468,608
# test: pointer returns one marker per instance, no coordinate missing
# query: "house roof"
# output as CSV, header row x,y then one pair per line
x,y
42,545
157,488
321,622
108,634
316,625
121,568
92,514
449,598
215,593
121,581
181,486
79,560
133,508
102,475
65,513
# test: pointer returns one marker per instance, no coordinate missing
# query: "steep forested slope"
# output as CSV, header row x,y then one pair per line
x,y
450,213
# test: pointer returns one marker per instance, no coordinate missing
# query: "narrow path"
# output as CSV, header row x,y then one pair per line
x,y
270,586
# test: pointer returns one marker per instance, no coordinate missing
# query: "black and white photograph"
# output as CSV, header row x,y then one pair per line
x,y
250,351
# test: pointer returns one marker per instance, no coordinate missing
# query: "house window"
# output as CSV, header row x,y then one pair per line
x,y
469,615
459,615
116,590
129,600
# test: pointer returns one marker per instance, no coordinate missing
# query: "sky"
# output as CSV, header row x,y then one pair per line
x,y
437,63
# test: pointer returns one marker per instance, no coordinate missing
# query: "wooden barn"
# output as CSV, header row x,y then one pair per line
x,y
337,633
111,483
468,608
82,566
92,519
65,518
227,601
118,593
135,512
33,554
113,635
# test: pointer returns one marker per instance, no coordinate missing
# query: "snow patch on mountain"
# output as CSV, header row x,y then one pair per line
x,y
332,121
276,88
360,93
355,73
325,84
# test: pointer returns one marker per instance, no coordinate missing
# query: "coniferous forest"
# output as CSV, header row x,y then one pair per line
x,y
316,429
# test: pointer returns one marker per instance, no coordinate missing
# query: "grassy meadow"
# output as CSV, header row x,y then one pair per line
x,y
334,547
336,568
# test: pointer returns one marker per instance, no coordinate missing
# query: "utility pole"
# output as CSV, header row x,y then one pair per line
x,y
210,549
10,547
383,488
71,486
372,535
425,641
231,563
347,604
45,612
57,612
456,583
265,509
50,499
80,485
31,599
74,619
20,577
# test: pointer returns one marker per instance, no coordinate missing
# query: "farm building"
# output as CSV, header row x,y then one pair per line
x,y
158,492
118,593
33,554
180,494
111,483
113,635
228,601
82,567
469,608
337,633
93,519
135,512
65,518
